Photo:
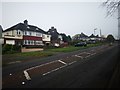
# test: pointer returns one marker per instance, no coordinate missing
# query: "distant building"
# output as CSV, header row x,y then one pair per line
x,y
84,37
26,35
93,37
56,38
81,36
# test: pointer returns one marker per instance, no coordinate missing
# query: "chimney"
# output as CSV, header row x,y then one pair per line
x,y
26,22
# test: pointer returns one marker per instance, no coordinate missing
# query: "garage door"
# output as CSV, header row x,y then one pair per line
x,y
10,42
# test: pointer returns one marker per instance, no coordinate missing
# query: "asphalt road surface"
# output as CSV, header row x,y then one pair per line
x,y
96,67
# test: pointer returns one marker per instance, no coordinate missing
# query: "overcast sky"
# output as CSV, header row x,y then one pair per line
x,y
67,17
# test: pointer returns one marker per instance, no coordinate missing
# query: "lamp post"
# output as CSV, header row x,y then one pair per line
x,y
100,33
94,30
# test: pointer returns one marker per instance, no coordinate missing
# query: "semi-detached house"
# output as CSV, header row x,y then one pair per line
x,y
26,35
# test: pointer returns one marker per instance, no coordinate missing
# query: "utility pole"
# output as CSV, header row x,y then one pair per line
x,y
100,33
94,30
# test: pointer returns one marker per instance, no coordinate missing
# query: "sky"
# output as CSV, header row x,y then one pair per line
x,y
67,17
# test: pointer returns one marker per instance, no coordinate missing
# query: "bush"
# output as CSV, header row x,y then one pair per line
x,y
8,49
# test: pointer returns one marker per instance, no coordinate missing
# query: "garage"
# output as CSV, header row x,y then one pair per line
x,y
12,42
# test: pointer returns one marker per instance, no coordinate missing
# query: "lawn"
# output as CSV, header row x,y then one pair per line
x,y
72,48
26,56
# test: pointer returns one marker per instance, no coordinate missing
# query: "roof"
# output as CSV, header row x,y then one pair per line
x,y
82,35
1,29
23,27
93,36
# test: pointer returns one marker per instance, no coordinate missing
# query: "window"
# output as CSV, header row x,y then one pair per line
x,y
30,33
47,36
28,42
39,43
25,32
32,42
18,32
25,42
43,36
28,27
38,34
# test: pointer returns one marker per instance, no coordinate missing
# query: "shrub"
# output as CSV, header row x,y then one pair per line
x,y
8,49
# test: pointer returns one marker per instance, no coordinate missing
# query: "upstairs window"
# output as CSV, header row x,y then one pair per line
x,y
30,33
38,34
18,32
25,33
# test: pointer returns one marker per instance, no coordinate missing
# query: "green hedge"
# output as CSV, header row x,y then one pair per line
x,y
7,49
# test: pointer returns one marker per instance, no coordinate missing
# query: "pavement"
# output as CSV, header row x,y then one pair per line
x,y
91,68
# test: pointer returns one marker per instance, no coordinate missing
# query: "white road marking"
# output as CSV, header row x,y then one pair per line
x,y
78,56
54,70
27,75
40,65
93,54
62,62
23,83
46,73
87,56
72,62
14,62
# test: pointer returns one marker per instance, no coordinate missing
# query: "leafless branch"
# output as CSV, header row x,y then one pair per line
x,y
112,6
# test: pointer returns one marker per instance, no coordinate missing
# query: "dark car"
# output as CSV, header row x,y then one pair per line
x,y
81,44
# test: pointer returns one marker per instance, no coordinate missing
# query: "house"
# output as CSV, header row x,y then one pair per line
x,y
96,38
26,35
54,34
56,38
81,36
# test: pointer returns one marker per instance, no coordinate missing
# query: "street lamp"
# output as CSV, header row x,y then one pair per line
x,y
100,32
94,30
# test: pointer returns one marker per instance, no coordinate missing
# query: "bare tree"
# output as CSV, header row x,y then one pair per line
x,y
112,6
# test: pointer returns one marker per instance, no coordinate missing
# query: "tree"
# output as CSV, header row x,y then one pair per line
x,y
69,38
110,38
112,6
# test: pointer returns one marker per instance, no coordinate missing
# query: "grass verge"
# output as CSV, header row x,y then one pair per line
x,y
26,56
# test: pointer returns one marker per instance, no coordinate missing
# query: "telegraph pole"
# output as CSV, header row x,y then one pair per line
x,y
100,33
94,30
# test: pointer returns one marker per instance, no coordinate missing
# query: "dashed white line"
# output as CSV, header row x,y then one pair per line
x,y
72,62
10,74
87,56
62,62
54,70
78,56
40,65
27,75
46,73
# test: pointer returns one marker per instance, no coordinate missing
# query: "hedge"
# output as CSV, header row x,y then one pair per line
x,y
7,49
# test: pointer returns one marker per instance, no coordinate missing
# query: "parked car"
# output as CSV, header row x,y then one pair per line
x,y
81,44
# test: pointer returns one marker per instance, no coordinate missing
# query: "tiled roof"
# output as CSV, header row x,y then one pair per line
x,y
23,27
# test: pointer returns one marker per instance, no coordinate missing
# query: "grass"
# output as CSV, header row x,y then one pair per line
x,y
26,56
72,48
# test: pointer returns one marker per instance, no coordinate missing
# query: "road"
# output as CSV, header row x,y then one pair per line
x,y
90,68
